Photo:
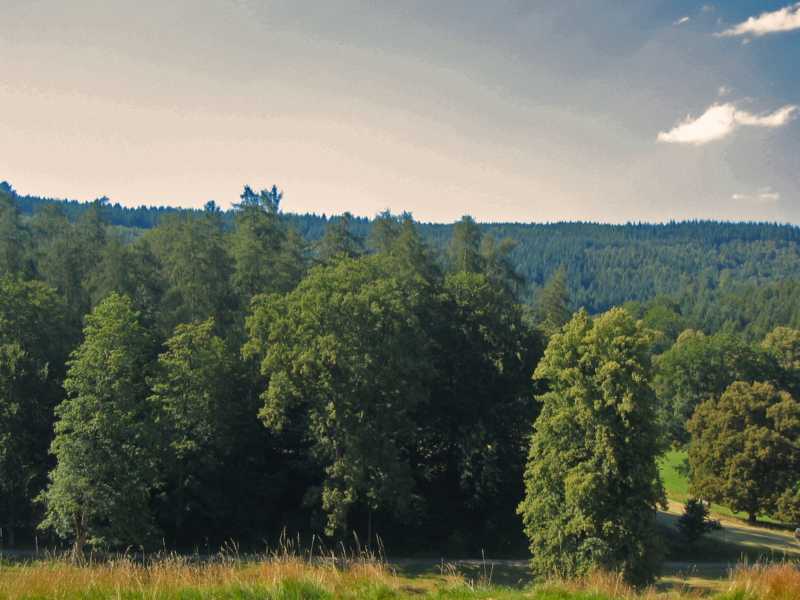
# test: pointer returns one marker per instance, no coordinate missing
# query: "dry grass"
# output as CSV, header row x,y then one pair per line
x,y
173,576
766,582
289,576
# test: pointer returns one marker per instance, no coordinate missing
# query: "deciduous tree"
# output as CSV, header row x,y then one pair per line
x,y
592,485
99,490
745,448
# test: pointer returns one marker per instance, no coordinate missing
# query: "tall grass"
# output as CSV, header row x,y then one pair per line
x,y
290,575
282,575
765,582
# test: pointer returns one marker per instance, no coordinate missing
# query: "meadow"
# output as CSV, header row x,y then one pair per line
x,y
293,578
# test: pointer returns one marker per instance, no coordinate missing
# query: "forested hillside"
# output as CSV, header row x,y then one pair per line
x,y
229,375
731,276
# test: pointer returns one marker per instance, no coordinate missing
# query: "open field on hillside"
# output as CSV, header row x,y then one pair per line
x,y
676,482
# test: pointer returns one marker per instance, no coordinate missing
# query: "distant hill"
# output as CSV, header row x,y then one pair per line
x,y
607,265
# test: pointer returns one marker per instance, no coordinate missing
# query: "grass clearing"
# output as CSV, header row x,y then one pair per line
x,y
672,467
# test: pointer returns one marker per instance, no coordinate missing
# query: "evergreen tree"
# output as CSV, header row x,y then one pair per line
x,y
196,267
464,250
12,237
553,304
99,490
592,485
339,241
257,243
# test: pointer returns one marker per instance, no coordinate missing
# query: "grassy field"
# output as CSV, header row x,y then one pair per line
x,y
672,467
290,578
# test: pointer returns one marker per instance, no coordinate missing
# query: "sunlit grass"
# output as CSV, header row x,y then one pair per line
x,y
287,577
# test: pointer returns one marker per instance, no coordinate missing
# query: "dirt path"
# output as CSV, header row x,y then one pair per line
x,y
735,531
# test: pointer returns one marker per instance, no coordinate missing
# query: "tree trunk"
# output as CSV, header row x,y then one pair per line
x,y
751,517
369,530
12,537
80,540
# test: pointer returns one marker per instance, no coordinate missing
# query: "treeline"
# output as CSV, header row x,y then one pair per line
x,y
210,380
203,382
724,276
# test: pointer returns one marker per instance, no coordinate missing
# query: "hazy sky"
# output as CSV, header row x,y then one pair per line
x,y
506,110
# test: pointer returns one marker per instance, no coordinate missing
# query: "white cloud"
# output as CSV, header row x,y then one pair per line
x,y
723,90
765,195
682,20
719,121
776,119
785,19
707,8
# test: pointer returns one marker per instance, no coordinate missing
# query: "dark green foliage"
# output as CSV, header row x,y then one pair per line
x,y
348,350
267,258
399,366
32,353
195,415
745,448
553,303
196,267
592,485
99,491
339,241
694,523
700,367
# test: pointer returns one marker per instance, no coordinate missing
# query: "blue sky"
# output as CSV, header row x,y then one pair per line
x,y
506,110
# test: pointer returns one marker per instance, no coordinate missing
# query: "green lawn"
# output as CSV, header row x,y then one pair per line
x,y
675,480
676,483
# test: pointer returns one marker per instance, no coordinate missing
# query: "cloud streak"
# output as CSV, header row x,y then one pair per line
x,y
784,19
765,195
682,20
721,120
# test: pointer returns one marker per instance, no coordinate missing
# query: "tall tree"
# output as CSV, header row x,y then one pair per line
x,y
67,253
592,484
745,448
553,302
99,490
258,244
191,397
464,250
339,240
384,231
471,437
12,237
344,357
197,268
130,269
32,353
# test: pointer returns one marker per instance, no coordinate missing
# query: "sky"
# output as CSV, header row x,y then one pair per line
x,y
591,110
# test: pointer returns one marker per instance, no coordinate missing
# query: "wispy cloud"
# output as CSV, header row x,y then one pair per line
x,y
765,195
721,120
682,20
723,91
784,19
